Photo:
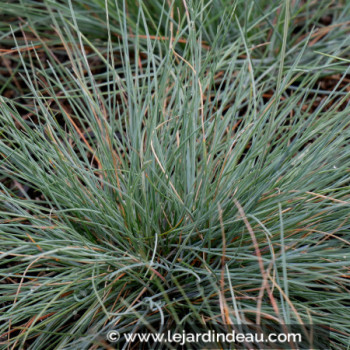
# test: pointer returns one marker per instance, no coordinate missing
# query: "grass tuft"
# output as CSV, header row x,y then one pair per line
x,y
172,166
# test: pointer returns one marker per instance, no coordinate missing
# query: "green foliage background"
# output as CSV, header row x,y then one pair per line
x,y
172,165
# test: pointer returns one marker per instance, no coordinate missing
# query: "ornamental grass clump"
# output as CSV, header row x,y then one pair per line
x,y
177,166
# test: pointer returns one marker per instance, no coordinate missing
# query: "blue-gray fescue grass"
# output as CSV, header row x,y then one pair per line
x,y
181,166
